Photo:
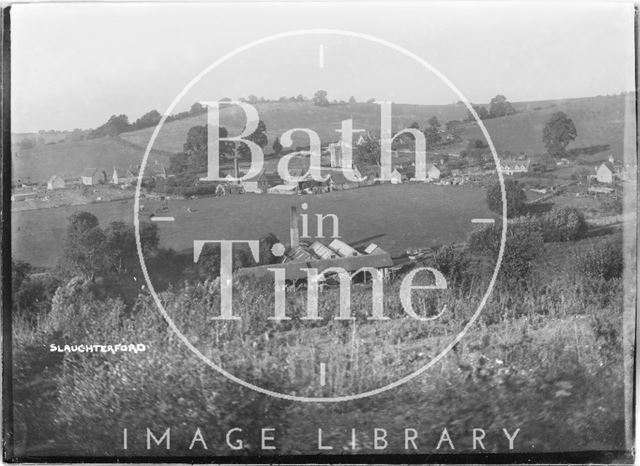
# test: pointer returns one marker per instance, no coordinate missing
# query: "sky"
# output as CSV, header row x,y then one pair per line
x,y
74,65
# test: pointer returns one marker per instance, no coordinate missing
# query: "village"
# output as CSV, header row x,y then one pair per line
x,y
101,184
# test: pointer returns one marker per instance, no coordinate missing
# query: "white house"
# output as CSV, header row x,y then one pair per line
x,y
55,182
396,177
604,173
433,172
509,167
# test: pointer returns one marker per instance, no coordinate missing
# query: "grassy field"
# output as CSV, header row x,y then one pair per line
x,y
394,217
598,121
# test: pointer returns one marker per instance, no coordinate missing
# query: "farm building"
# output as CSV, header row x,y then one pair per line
x,y
23,195
56,182
258,184
283,189
337,180
335,154
511,166
337,253
156,170
92,176
123,176
604,172
433,172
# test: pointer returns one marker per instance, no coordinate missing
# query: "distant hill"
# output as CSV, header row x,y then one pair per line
x,y
69,159
280,117
598,120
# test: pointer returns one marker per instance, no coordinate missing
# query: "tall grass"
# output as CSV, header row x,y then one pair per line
x,y
540,357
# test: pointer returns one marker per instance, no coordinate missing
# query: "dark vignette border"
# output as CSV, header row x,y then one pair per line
x,y
576,457
5,225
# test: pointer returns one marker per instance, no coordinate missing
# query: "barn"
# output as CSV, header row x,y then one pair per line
x,y
56,182
604,172
92,176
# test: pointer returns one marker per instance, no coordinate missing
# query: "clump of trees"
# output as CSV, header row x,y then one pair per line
x,y
559,224
522,246
117,124
432,132
320,98
186,165
498,107
516,198
558,133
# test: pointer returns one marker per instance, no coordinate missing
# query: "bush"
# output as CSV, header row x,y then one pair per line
x,y
516,198
563,224
33,297
602,261
454,263
522,246
560,224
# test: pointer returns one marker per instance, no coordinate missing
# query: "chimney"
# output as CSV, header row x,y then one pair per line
x,y
293,228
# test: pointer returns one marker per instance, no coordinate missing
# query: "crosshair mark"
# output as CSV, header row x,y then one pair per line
x,y
323,374
162,219
483,220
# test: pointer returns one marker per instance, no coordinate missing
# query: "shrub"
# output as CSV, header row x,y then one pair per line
x,y
522,246
602,260
516,198
454,263
33,297
563,224
560,224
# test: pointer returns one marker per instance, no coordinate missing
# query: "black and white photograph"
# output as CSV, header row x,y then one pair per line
x,y
319,232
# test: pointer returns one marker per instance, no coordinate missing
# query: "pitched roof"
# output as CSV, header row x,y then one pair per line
x,y
293,269
89,172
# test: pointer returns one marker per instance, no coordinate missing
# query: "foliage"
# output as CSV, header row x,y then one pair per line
x,y
563,224
85,246
559,224
32,297
320,98
147,120
481,110
368,153
601,261
259,137
115,125
277,146
500,106
516,198
194,156
558,132
455,264
522,246
19,271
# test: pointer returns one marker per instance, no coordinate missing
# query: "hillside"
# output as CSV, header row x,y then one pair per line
x,y
69,159
280,117
598,120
